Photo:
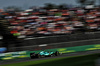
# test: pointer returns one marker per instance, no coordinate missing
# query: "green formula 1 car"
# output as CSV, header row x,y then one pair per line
x,y
44,54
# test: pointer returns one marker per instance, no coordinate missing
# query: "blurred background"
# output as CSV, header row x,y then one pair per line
x,y
32,25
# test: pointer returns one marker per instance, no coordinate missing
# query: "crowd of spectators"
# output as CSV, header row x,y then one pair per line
x,y
47,22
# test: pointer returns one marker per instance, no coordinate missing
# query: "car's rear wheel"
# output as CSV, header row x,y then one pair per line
x,y
32,55
52,55
38,56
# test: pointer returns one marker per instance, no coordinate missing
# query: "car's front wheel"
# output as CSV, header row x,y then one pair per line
x,y
57,53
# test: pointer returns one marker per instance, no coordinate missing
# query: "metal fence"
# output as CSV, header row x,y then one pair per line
x,y
56,45
61,38
57,41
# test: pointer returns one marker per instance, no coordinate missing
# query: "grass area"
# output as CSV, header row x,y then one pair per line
x,y
87,60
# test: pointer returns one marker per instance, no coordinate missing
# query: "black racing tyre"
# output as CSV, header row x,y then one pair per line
x,y
52,55
32,55
38,56
57,53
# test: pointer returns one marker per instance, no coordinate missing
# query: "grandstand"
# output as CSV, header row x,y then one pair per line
x,y
46,26
69,29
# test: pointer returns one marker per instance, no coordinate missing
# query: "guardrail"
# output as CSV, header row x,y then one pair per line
x,y
55,45
60,38
56,40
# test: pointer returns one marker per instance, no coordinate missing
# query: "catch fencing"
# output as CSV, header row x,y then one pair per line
x,y
56,42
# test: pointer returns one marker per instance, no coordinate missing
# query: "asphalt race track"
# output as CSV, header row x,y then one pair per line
x,y
63,55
